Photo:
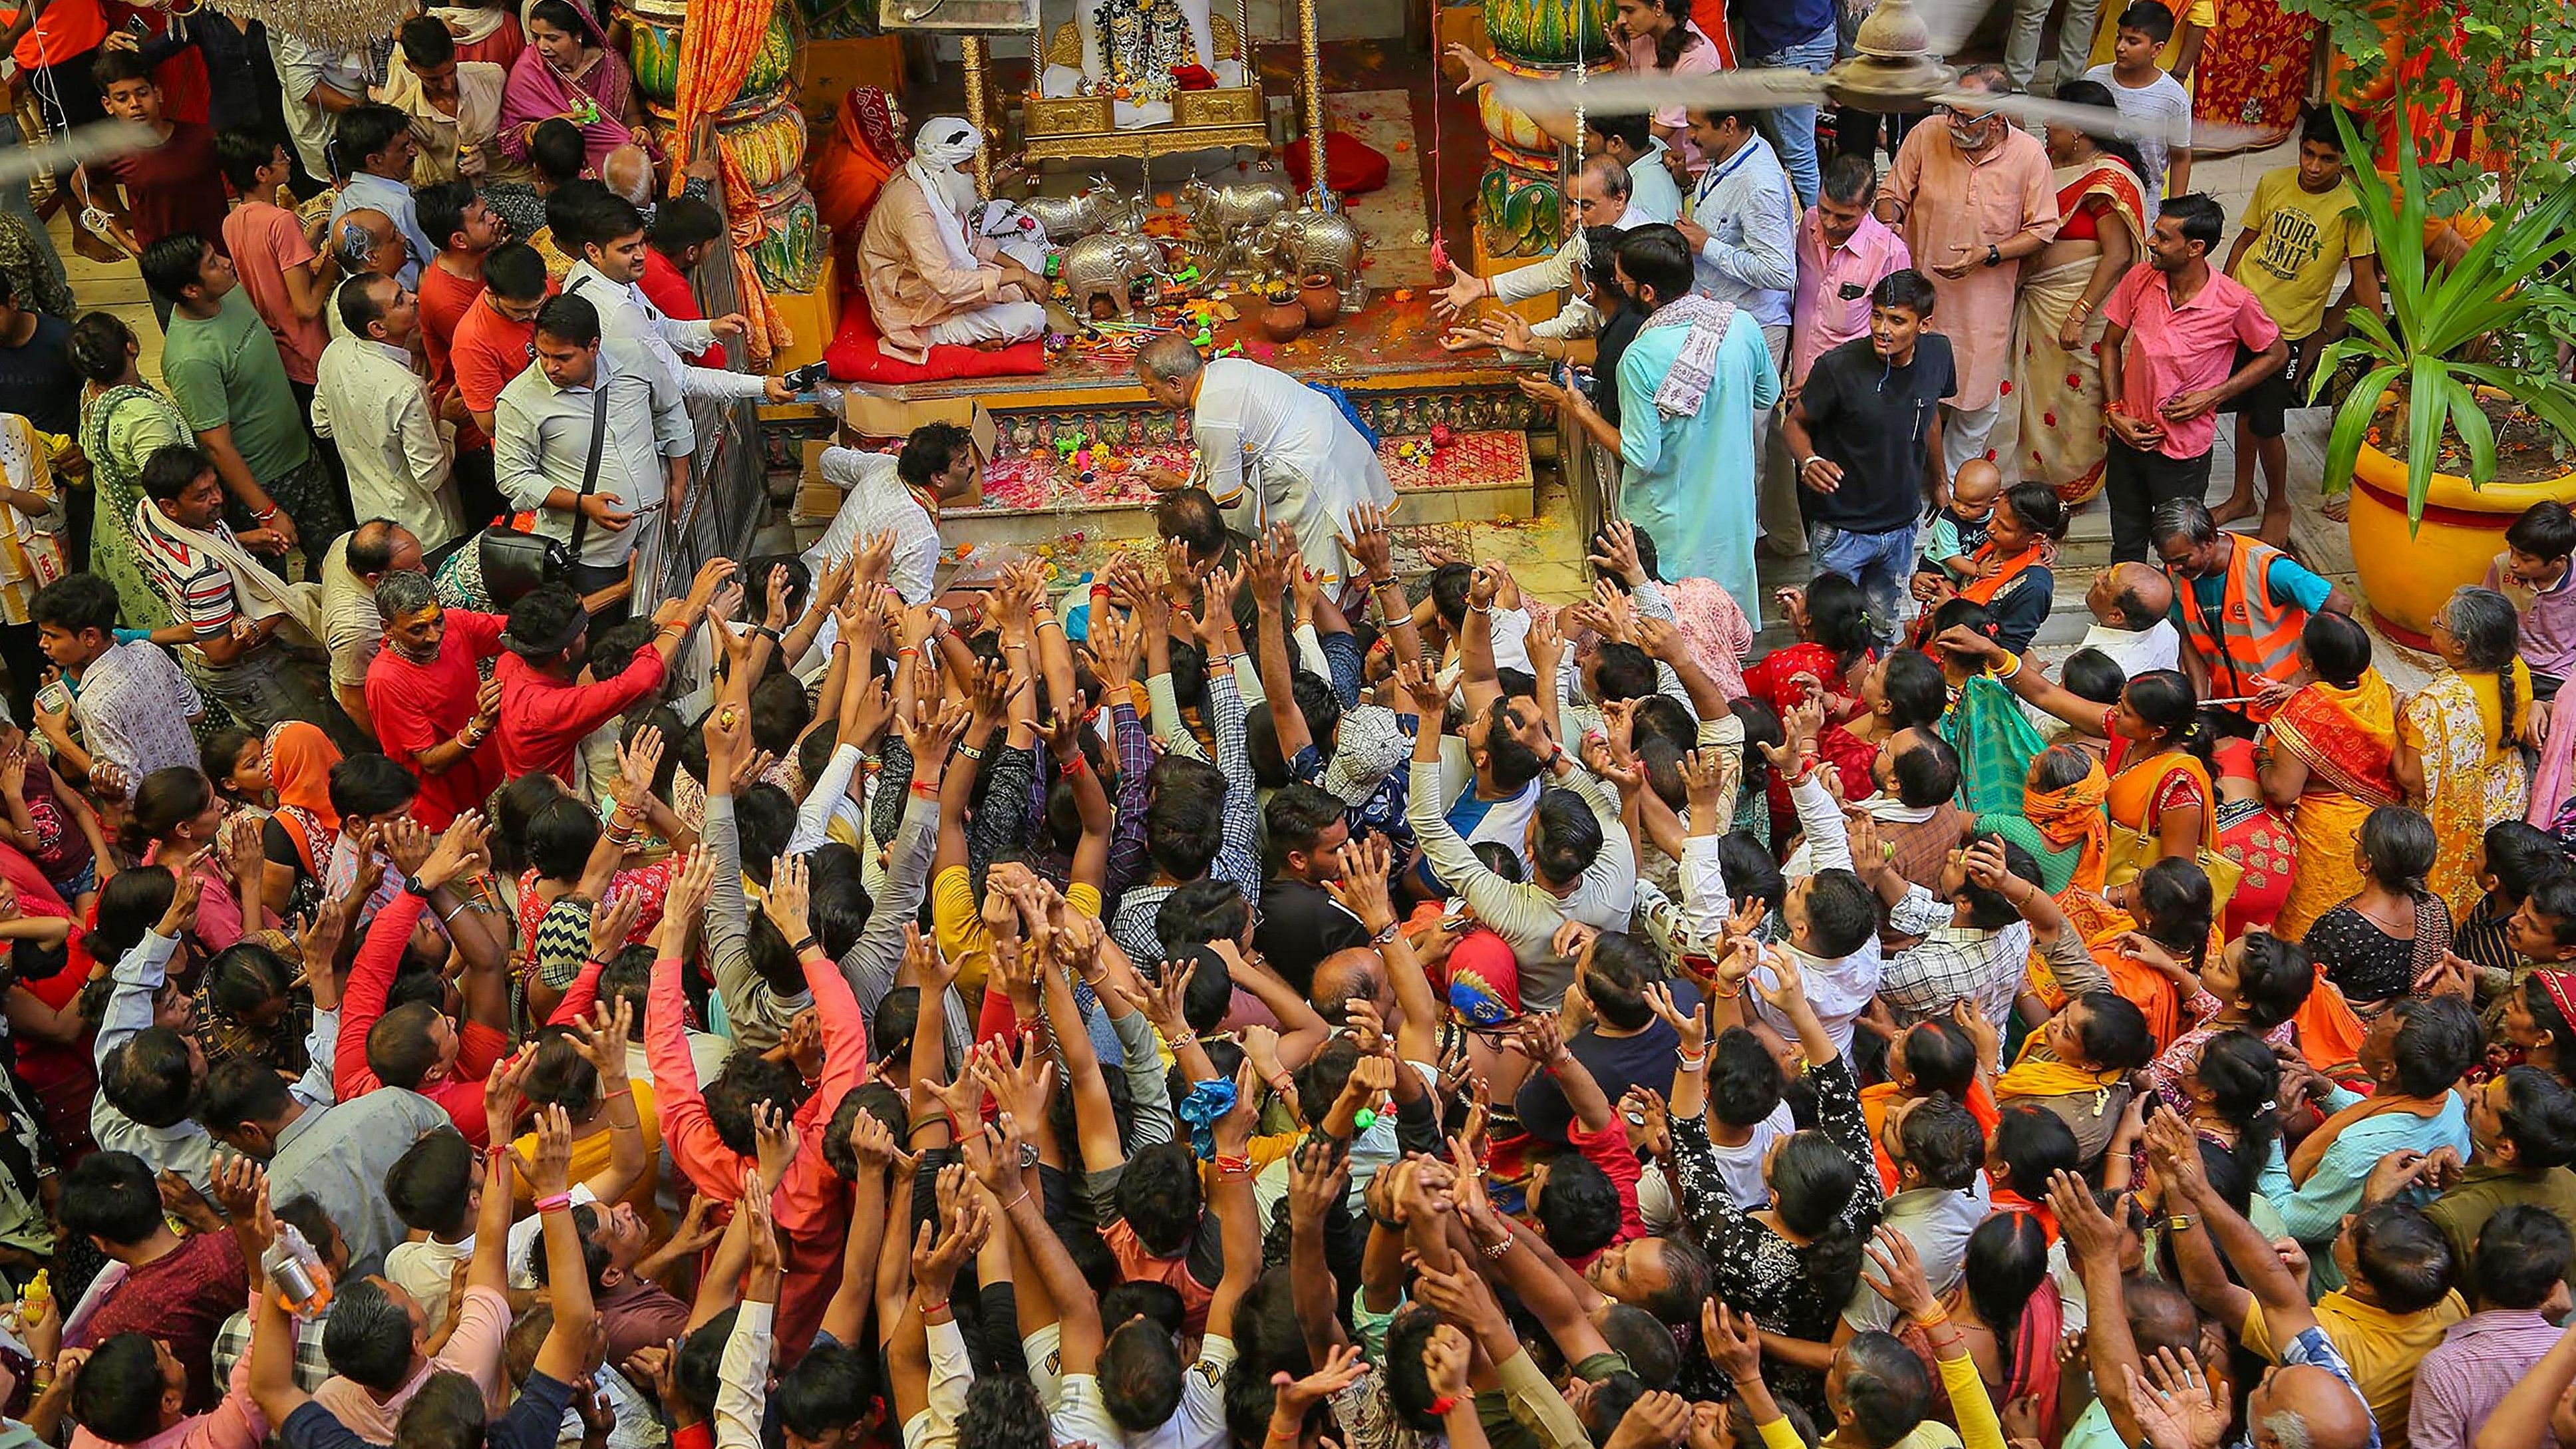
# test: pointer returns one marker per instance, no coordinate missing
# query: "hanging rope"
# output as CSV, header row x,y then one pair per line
x,y
1439,173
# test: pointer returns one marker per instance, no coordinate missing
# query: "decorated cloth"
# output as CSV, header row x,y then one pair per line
x,y
540,91
488,33
1995,743
2060,387
1686,385
2473,772
2348,740
32,550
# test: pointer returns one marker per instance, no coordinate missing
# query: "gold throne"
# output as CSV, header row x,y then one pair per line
x,y
1062,128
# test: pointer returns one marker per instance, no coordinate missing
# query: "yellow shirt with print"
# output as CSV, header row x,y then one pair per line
x,y
2302,239
2381,1348
958,925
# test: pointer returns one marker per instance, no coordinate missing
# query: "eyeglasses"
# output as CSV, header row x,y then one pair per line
x,y
1965,119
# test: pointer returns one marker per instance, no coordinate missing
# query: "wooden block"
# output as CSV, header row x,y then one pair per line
x,y
1461,25
826,69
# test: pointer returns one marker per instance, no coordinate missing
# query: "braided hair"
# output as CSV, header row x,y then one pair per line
x,y
2489,634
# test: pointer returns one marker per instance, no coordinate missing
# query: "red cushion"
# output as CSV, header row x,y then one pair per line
x,y
1351,165
855,355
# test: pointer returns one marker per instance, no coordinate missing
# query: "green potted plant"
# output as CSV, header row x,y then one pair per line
x,y
2462,378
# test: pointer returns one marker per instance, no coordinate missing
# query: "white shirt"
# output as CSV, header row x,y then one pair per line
x,y
1652,191
300,67
542,440
2135,650
367,399
1577,318
1740,1168
644,335
1197,1423
878,501
1288,435
1751,255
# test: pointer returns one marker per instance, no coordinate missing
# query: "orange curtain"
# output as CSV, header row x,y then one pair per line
x,y
716,50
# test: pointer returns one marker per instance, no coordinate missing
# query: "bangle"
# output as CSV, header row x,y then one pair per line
x,y
801,947
1496,1250
1385,583
1934,1319
1015,1202
1382,937
1072,767
554,1204
1283,1083
970,752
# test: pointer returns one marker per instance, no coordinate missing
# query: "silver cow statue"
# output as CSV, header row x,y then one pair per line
x,y
1299,243
1224,214
1098,207
1107,264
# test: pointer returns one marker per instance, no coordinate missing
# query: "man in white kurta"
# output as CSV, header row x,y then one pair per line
x,y
368,400
1269,446
1602,195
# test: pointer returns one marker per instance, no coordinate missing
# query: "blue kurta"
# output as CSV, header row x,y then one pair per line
x,y
1689,481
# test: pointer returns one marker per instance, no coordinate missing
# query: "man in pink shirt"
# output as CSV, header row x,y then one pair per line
x,y
1843,251
287,281
2182,339
1973,195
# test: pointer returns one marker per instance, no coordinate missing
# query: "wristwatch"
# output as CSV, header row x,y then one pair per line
x,y
1994,255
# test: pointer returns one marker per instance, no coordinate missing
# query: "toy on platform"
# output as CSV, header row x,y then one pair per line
x,y
1226,216
1306,241
1097,208
1107,265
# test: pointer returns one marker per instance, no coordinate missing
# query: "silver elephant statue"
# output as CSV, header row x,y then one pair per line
x,y
1098,207
1305,241
1107,264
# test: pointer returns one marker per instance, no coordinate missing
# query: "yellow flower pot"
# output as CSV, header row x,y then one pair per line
x,y
2407,576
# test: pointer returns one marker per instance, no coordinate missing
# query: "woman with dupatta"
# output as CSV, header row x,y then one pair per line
x,y
2330,759
2161,803
32,552
2013,583
2057,374
569,70
851,165
2060,821
123,421
2458,740
300,834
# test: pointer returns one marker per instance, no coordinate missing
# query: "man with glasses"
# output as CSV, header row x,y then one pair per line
x,y
1600,196
1972,194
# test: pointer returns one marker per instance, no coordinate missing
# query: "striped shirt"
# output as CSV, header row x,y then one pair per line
x,y
2460,1383
200,591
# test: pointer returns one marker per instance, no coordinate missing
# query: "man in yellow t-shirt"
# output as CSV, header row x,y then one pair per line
x,y
2303,230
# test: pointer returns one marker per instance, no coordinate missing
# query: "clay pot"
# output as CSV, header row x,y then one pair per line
x,y
1283,321
1323,300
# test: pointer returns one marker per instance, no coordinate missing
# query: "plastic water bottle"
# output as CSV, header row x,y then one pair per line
x,y
295,1270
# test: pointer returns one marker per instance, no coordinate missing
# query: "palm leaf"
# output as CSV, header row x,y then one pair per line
x,y
2352,423
2424,409
2470,422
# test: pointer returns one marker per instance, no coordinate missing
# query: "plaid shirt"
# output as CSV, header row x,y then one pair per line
x,y
1951,963
233,1340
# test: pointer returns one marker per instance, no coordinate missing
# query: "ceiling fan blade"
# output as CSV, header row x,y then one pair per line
x,y
94,142
2104,121
1640,95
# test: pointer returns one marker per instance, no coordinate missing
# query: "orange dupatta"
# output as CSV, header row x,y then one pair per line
x,y
300,757
1983,590
2065,817
2347,736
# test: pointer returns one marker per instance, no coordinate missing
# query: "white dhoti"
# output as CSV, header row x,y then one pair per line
x,y
999,322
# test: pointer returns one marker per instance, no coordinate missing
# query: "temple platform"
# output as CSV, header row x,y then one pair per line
x,y
1069,444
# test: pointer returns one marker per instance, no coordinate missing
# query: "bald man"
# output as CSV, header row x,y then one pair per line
x,y
1600,196
628,172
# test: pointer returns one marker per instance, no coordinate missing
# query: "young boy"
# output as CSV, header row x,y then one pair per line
x,y
170,186
2303,229
2534,572
2513,860
1959,528
2141,89
288,281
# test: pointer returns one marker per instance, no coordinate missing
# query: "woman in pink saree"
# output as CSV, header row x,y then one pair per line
x,y
569,70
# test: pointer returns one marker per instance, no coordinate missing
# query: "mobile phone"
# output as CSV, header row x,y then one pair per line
x,y
803,379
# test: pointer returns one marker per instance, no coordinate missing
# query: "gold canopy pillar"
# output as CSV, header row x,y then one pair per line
x,y
971,47
1313,79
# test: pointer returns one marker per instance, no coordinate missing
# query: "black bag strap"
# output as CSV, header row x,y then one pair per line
x,y
590,469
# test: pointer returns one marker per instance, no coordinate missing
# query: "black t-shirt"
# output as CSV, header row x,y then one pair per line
x,y
1609,346
37,382
1873,419
1300,926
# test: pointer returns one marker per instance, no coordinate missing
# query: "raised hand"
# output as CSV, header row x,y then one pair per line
x,y
1899,1278
1692,1027
786,905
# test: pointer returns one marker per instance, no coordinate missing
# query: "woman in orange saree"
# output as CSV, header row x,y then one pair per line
x,y
2057,373
2332,759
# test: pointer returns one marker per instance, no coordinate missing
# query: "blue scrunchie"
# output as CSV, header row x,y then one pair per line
x,y
1206,1102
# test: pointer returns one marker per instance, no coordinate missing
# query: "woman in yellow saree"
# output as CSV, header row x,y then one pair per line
x,y
2331,759
2458,755
2057,374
